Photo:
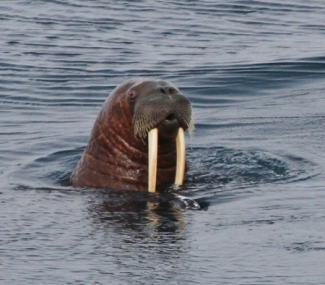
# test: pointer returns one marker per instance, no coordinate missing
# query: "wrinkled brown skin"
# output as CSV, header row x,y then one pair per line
x,y
115,157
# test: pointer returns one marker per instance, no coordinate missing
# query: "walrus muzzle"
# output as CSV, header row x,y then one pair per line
x,y
170,113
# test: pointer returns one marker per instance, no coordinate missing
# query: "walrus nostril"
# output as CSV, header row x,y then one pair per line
x,y
162,90
171,91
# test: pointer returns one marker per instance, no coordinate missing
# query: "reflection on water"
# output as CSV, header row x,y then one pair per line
x,y
138,235
143,213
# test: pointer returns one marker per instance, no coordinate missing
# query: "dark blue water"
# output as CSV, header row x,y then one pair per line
x,y
255,74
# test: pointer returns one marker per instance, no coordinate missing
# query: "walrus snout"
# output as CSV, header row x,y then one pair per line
x,y
165,111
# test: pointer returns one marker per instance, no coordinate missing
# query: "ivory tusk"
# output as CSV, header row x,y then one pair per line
x,y
153,156
181,154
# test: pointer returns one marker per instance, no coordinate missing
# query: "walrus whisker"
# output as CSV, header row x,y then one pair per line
x,y
146,117
191,128
142,124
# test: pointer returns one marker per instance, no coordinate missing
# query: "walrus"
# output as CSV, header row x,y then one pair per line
x,y
137,139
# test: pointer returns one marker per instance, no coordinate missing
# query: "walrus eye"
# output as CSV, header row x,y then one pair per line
x,y
132,95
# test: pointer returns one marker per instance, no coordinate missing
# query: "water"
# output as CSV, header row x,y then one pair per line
x,y
254,72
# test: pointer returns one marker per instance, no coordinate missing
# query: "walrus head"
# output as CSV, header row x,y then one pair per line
x,y
142,121
164,108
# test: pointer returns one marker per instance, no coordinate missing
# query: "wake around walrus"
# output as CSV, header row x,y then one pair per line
x,y
137,139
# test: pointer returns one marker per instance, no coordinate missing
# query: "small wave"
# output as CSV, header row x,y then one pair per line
x,y
225,172
215,170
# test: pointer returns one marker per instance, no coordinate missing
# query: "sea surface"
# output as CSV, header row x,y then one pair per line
x,y
255,74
